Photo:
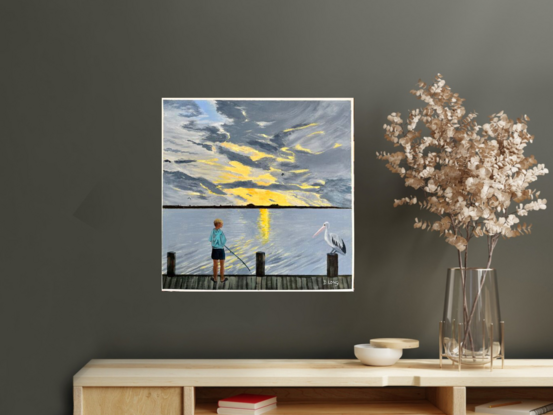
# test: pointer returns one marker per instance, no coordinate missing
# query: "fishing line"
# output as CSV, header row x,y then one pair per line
x,y
238,258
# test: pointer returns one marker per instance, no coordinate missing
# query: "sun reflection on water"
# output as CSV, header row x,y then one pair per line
x,y
264,225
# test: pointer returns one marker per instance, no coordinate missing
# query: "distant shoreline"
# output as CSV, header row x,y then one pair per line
x,y
253,207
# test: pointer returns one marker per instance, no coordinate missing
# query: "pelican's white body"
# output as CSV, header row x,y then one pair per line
x,y
334,241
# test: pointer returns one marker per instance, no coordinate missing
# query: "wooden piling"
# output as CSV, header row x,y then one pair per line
x,y
171,263
260,264
332,265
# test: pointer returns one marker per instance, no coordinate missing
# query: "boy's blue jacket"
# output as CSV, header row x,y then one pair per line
x,y
217,239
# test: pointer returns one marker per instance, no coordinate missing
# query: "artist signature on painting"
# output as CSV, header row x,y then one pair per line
x,y
330,282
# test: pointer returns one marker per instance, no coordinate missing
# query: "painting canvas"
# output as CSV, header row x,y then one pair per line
x,y
257,195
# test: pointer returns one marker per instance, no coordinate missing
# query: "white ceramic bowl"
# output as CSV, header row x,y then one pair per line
x,y
376,356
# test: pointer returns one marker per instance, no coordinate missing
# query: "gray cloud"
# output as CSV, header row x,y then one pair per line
x,y
273,186
270,126
206,146
183,181
279,139
332,163
337,192
230,109
264,163
189,108
213,134
264,146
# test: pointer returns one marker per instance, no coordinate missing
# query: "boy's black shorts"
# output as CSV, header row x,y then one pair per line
x,y
217,253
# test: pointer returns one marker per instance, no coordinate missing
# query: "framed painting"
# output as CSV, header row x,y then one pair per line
x,y
257,194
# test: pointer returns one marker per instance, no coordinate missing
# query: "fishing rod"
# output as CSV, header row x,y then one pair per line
x,y
238,258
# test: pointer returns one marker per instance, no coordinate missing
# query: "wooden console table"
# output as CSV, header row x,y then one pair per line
x,y
323,387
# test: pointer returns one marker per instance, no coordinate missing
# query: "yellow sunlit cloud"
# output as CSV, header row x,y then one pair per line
x,y
300,128
307,186
239,172
209,191
252,152
238,169
212,162
297,194
305,150
265,197
291,158
264,179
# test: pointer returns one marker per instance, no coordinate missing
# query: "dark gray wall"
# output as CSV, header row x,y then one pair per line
x,y
81,220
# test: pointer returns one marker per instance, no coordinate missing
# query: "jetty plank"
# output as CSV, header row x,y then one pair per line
x,y
251,282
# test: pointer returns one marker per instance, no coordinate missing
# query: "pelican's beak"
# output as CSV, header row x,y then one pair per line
x,y
319,231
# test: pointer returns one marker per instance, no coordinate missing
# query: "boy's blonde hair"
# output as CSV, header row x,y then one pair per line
x,y
217,221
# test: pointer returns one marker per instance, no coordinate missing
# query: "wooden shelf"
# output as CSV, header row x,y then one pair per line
x,y
297,373
309,400
333,408
479,396
303,387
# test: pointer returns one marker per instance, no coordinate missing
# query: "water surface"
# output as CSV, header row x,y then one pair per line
x,y
285,235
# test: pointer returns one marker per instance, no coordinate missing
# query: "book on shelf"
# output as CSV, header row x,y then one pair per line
x,y
247,401
515,407
242,411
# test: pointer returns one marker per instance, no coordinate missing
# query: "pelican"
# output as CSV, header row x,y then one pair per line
x,y
336,243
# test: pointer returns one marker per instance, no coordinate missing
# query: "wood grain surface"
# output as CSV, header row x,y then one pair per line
x,y
450,400
133,401
308,373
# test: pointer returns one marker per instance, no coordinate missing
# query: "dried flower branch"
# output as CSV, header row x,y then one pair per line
x,y
475,178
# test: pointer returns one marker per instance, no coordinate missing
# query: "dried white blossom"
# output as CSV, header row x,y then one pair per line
x,y
475,178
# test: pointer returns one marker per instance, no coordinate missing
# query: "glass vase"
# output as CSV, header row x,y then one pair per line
x,y
471,332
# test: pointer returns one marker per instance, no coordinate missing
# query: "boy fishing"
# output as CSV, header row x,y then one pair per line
x,y
218,241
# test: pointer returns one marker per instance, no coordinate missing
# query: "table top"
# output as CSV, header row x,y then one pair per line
x,y
308,373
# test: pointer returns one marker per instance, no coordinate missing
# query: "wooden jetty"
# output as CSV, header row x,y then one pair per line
x,y
258,283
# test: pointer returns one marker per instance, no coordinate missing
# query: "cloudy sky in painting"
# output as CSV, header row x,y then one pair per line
x,y
240,152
